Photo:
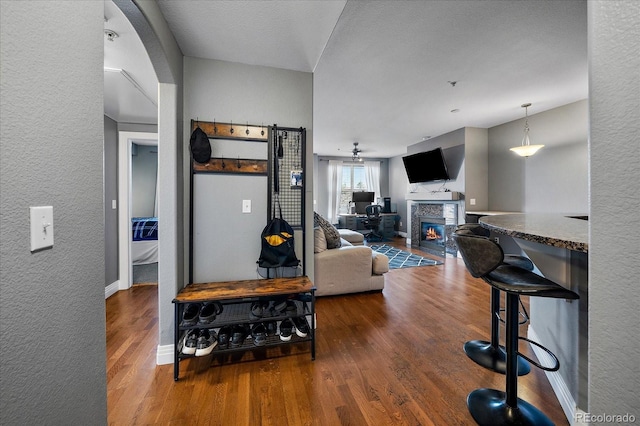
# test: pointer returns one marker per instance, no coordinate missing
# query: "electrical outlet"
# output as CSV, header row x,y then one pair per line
x,y
246,206
472,201
497,240
400,223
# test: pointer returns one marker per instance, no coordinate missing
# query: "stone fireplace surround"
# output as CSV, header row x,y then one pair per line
x,y
446,210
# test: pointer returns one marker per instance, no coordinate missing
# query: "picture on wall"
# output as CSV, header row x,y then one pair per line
x,y
296,178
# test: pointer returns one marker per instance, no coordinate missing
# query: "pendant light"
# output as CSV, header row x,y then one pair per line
x,y
526,149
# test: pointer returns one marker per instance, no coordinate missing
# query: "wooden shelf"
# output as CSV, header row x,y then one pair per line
x,y
230,166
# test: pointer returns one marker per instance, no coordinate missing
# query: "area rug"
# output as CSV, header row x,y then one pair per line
x,y
402,259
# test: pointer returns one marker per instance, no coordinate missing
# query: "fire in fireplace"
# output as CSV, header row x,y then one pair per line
x,y
432,233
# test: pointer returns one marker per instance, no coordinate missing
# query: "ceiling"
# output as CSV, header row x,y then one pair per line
x,y
382,69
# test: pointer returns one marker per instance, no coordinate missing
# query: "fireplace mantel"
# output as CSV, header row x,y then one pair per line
x,y
433,196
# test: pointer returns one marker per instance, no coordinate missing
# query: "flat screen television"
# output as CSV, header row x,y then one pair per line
x,y
426,166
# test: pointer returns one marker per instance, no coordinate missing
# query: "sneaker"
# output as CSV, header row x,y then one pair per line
x,y
286,330
238,335
209,312
259,334
272,328
207,340
258,310
190,342
190,314
224,336
301,326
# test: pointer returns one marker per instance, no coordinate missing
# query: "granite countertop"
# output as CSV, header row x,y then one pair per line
x,y
550,229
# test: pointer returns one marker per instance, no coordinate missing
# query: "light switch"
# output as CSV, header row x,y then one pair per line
x,y
41,227
472,201
114,205
246,206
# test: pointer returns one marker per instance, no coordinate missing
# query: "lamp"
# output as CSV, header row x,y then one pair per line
x,y
355,152
526,149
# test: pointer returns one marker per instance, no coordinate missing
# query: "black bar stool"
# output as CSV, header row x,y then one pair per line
x,y
490,354
485,259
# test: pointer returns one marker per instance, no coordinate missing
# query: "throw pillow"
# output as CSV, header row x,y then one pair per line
x,y
319,241
331,234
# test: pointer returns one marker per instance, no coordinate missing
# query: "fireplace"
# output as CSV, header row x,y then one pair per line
x,y
432,233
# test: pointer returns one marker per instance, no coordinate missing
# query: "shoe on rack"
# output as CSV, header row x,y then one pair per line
x,y
238,335
190,342
207,340
272,328
301,326
259,310
209,312
285,307
190,314
286,330
224,336
259,334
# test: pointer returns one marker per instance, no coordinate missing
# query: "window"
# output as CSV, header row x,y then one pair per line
x,y
353,179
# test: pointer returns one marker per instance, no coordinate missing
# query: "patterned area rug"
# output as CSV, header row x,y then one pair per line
x,y
402,259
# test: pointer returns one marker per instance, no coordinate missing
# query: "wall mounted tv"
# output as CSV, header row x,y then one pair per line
x,y
426,166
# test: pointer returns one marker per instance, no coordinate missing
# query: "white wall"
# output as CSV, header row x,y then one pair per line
x,y
52,312
226,242
555,179
614,70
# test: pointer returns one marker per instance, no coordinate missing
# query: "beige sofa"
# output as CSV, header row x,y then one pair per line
x,y
348,268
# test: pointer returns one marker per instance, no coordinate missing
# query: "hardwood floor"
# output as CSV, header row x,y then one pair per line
x,y
389,358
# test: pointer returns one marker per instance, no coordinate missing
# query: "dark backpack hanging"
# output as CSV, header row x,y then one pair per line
x,y
278,248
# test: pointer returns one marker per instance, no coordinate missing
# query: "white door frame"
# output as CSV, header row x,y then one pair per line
x,y
125,142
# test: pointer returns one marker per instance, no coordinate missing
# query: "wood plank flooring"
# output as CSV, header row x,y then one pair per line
x,y
387,358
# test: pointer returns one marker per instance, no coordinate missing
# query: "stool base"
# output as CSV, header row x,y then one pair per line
x,y
492,358
489,407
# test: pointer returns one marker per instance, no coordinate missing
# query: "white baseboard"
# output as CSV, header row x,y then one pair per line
x,y
560,388
164,354
111,289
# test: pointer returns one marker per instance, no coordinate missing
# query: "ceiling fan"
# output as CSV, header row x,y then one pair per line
x,y
355,153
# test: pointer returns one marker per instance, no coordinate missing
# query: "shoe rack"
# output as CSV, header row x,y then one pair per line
x,y
295,297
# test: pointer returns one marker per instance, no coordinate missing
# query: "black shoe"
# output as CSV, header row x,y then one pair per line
x,y
259,334
272,328
206,342
190,342
224,336
301,326
286,330
238,335
190,314
209,312
259,310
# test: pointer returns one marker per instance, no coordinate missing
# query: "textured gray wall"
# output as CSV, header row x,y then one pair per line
x,y
110,193
614,69
144,176
52,316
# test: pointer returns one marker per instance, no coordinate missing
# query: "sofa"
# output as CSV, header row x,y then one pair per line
x,y
346,268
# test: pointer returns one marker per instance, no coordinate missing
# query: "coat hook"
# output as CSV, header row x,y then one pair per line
x,y
247,131
223,165
231,126
215,129
262,129
239,162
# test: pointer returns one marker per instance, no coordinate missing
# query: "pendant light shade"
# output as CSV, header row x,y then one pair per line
x,y
526,149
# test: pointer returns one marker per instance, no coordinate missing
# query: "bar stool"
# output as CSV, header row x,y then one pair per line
x,y
490,354
485,259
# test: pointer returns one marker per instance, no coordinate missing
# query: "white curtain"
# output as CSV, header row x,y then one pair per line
x,y
372,177
335,188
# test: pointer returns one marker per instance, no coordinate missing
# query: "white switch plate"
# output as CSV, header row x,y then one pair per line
x,y
41,227
246,206
472,201
114,205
